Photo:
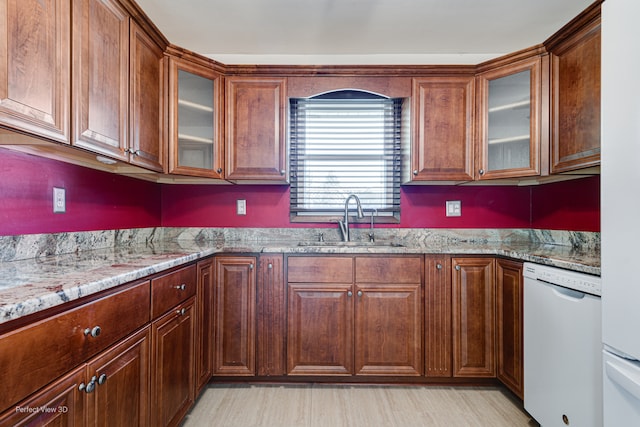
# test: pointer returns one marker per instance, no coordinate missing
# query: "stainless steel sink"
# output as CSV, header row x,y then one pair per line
x,y
351,244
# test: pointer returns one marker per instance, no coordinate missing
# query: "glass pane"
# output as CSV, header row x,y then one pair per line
x,y
509,121
195,121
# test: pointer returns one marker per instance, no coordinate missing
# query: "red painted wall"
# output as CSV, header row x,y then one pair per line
x,y
99,200
569,205
95,200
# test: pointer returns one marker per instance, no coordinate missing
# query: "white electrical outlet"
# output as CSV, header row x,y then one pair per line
x,y
241,207
59,201
454,208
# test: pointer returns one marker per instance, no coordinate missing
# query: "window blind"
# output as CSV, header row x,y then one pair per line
x,y
345,146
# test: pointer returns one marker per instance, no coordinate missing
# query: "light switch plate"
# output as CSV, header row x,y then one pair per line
x,y
59,200
454,208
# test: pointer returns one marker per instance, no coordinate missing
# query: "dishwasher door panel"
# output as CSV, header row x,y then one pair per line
x,y
562,355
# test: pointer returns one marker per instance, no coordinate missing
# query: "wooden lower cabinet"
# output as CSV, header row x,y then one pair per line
x,y
358,315
320,329
172,373
438,329
204,324
509,329
271,316
234,314
473,305
110,390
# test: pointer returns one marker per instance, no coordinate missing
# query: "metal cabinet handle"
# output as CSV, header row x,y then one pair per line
x,y
415,171
251,266
481,171
219,170
94,332
282,171
181,287
90,386
102,379
359,293
439,266
457,267
181,312
349,293
269,266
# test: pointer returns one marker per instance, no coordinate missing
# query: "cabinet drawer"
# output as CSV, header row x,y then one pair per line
x,y
33,356
170,290
329,269
388,269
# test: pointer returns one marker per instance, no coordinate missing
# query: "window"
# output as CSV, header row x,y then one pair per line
x,y
343,143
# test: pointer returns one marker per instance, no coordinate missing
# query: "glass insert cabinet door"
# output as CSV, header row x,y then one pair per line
x,y
194,121
510,102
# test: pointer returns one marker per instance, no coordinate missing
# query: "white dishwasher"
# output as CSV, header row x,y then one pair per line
x,y
562,347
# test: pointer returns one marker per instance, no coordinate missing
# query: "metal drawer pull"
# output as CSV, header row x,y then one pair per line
x,y
94,332
102,378
269,266
439,266
88,388
181,287
359,293
181,312
349,293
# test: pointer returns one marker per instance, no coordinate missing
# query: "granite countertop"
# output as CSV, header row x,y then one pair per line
x,y
31,285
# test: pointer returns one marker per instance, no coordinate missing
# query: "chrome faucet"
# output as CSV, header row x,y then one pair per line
x,y
344,225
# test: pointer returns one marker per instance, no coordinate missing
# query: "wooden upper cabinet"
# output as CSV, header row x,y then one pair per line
x,y
442,137
509,120
195,120
35,67
147,98
575,93
473,301
101,77
255,129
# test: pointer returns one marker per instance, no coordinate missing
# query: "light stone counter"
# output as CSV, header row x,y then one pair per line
x,y
43,271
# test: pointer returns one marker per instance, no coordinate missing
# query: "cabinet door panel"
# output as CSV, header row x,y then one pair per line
x,y
320,329
255,129
235,316
509,324
473,317
442,146
147,92
271,316
172,365
388,328
204,327
196,137
123,398
575,98
437,333
34,66
100,77
510,106
61,402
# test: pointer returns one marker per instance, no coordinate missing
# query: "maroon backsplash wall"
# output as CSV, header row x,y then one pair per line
x,y
99,200
95,200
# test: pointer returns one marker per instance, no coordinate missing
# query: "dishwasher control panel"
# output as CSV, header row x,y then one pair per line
x,y
565,278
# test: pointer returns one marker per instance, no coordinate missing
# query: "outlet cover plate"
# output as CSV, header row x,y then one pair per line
x,y
241,207
59,200
454,208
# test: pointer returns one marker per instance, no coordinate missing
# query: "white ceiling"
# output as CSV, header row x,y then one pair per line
x,y
323,32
